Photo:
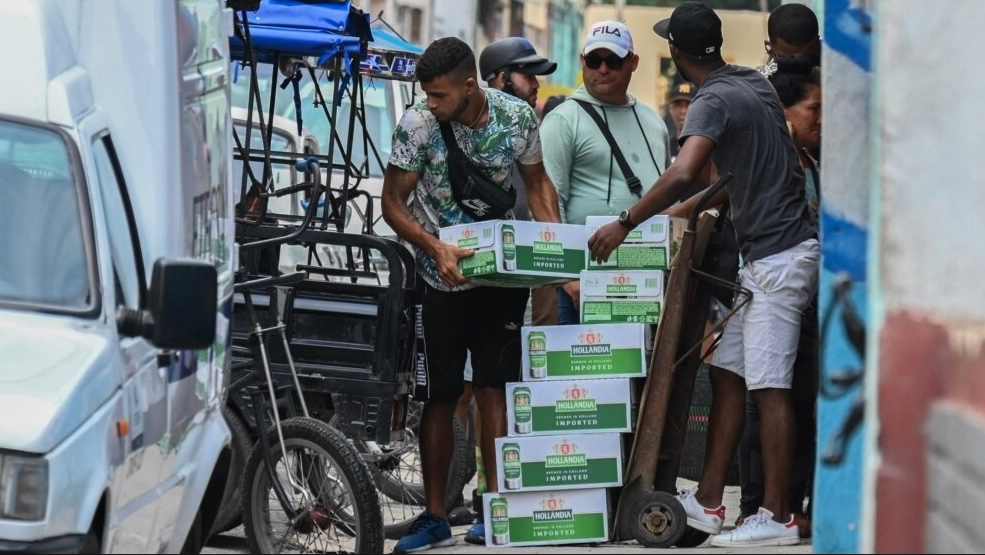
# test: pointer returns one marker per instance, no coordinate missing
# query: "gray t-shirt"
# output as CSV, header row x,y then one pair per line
x,y
738,109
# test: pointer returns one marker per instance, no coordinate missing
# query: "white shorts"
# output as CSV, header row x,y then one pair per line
x,y
760,340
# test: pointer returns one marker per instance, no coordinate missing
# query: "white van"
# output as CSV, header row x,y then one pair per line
x,y
116,276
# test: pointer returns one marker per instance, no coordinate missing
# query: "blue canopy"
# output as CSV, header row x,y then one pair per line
x,y
386,40
303,28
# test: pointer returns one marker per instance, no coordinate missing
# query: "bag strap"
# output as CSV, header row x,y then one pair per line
x,y
449,136
635,186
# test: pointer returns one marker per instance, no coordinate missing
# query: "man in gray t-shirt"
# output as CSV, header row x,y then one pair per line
x,y
736,121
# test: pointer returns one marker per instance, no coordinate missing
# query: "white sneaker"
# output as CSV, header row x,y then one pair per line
x,y
760,530
708,521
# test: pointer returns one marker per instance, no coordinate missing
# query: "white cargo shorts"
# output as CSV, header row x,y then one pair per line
x,y
760,340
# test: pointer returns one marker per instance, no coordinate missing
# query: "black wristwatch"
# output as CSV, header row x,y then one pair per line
x,y
625,221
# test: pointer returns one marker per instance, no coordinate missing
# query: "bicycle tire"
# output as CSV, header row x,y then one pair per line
x,y
241,444
404,494
360,520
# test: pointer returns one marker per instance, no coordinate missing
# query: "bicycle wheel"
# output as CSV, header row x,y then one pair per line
x,y
241,444
332,504
398,477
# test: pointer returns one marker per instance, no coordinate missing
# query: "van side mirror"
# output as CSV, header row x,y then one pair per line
x,y
181,306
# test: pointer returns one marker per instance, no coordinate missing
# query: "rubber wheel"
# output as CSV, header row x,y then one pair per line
x,y
659,520
241,444
338,511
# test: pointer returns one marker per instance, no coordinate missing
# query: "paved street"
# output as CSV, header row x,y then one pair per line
x,y
235,541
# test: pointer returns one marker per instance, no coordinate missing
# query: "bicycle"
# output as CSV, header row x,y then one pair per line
x,y
304,486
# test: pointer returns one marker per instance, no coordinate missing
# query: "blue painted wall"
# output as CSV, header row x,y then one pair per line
x,y
844,295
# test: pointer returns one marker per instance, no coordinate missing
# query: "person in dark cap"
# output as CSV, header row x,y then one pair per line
x,y
681,94
512,66
736,120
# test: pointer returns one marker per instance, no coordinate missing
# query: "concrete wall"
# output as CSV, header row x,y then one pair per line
x,y
454,18
930,491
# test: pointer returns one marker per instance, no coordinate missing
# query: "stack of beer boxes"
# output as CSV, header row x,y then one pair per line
x,y
563,447
566,416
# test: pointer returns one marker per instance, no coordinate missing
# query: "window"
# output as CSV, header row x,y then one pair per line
x,y
45,254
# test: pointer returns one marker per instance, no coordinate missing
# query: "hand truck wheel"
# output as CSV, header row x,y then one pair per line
x,y
659,520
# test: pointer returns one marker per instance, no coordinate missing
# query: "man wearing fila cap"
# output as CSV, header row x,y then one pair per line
x,y
737,121
579,159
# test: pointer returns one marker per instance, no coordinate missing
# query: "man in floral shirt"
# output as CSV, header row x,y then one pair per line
x,y
455,317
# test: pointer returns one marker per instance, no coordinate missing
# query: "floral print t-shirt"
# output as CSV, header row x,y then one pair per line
x,y
510,136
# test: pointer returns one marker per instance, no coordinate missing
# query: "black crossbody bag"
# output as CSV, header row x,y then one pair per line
x,y
635,186
480,197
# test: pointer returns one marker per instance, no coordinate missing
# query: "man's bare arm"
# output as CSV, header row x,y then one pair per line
x,y
690,162
684,209
541,193
688,168
398,184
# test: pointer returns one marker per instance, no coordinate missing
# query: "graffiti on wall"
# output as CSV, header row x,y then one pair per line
x,y
844,293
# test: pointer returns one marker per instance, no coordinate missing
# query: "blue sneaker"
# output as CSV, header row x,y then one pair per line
x,y
426,532
476,534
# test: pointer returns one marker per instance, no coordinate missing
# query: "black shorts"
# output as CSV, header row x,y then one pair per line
x,y
483,320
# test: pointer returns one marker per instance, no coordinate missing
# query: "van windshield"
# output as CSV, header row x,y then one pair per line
x,y
378,105
42,238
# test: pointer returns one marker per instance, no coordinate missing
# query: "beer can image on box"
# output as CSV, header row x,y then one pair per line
x,y
537,344
509,248
499,513
512,471
522,411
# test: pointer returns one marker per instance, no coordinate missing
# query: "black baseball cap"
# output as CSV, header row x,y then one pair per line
x,y
693,27
682,90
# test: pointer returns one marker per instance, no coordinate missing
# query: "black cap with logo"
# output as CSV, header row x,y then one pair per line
x,y
693,27
682,90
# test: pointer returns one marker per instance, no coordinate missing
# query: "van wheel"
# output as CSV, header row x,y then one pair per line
x,y
231,511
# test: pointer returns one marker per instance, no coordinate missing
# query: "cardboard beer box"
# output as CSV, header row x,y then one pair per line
x,y
618,296
546,517
651,246
568,407
584,351
559,462
516,253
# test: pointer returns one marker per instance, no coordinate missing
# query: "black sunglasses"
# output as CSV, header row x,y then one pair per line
x,y
615,63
